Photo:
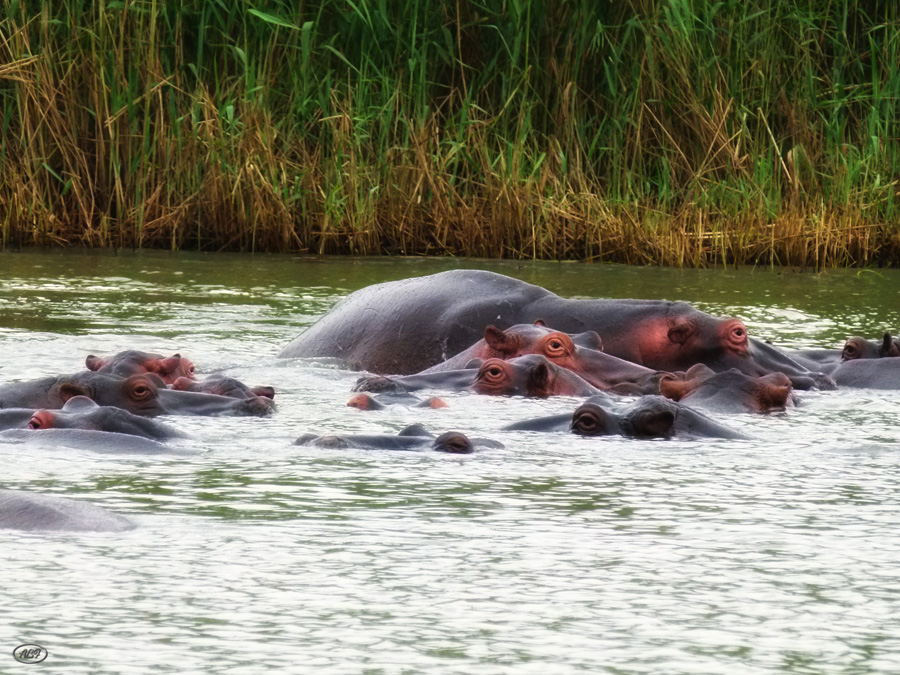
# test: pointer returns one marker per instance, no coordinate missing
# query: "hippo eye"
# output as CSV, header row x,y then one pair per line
x,y
141,392
493,372
34,423
739,332
555,347
191,369
851,351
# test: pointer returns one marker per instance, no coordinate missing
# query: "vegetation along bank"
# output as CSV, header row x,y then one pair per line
x,y
675,132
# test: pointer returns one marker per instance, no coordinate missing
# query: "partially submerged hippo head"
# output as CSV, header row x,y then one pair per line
x,y
531,375
860,348
133,362
80,412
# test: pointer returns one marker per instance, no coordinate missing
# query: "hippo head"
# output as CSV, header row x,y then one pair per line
x,y
536,338
497,377
860,348
530,375
133,362
138,394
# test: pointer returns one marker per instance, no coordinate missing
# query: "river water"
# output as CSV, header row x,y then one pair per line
x,y
556,554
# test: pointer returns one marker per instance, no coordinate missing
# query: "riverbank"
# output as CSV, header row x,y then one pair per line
x,y
658,132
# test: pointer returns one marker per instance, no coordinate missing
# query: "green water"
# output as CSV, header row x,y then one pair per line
x,y
556,554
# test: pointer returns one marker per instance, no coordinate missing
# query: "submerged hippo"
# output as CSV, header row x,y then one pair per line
x,y
21,510
531,375
144,394
647,417
80,412
414,437
387,399
407,326
730,391
854,348
222,385
133,362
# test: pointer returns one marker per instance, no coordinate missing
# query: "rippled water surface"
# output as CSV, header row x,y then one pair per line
x,y
556,554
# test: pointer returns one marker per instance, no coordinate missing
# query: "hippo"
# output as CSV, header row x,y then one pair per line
x,y
222,386
860,348
404,327
133,362
145,394
387,399
730,391
80,412
414,437
581,353
29,511
647,417
854,348
531,375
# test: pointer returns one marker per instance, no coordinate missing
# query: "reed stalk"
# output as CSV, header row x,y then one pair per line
x,y
673,132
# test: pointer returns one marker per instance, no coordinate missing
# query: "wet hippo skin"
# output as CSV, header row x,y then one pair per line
x,y
32,512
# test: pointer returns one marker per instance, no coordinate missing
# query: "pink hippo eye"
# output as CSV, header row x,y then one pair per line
x,y
555,347
492,373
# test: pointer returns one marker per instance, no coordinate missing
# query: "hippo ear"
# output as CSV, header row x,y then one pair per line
x,y
541,323
653,423
539,380
895,347
591,340
774,396
79,403
416,430
168,365
700,372
887,344
675,388
500,341
94,362
69,390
